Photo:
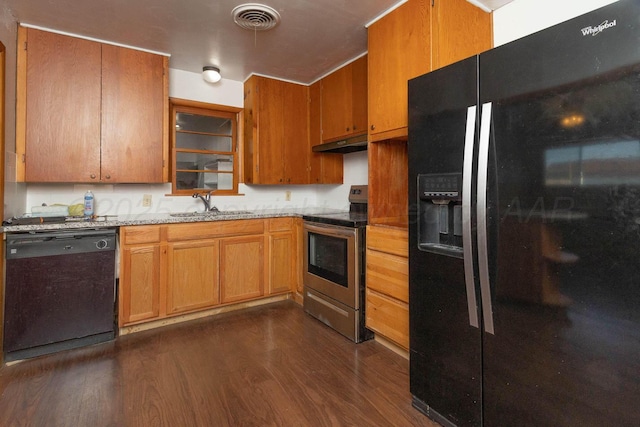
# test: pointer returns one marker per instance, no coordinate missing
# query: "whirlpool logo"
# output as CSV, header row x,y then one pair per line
x,y
594,31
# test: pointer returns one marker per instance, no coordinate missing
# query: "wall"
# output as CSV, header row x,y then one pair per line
x,y
127,199
523,17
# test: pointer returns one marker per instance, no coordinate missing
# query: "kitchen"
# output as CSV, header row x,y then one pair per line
x,y
504,30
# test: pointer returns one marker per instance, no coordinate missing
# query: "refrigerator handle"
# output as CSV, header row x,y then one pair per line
x,y
467,244
483,248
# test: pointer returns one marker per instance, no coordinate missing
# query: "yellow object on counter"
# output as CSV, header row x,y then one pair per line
x,y
76,210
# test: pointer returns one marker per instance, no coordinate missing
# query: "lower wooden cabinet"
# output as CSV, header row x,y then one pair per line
x,y
193,275
387,283
281,247
283,255
139,297
171,269
140,274
241,268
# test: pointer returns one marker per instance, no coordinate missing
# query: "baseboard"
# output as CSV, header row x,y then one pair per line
x,y
126,330
392,346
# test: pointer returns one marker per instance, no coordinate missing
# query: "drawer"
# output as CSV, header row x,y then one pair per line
x,y
387,239
388,274
140,234
388,317
207,230
280,224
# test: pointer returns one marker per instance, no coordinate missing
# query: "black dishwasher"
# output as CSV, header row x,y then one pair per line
x,y
59,291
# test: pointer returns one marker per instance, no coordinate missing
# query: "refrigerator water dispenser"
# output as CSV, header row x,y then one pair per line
x,y
440,213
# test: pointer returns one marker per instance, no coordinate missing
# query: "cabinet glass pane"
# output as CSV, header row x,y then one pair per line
x,y
203,124
216,173
202,161
196,141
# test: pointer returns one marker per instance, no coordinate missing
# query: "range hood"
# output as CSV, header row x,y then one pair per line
x,y
343,146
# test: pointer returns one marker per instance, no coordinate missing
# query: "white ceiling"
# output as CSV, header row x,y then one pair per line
x,y
313,38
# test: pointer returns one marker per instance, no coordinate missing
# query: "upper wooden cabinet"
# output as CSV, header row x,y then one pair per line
x,y
134,116
344,101
324,168
399,49
459,30
89,112
275,132
412,40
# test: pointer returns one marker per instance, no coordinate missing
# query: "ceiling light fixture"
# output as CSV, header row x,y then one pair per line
x,y
211,74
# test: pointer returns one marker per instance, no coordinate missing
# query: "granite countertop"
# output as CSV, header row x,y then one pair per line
x,y
165,218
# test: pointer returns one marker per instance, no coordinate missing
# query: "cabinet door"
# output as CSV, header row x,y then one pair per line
x,y
460,30
133,114
296,128
270,123
241,268
60,105
139,283
282,262
360,95
399,49
337,104
344,101
276,132
324,168
193,275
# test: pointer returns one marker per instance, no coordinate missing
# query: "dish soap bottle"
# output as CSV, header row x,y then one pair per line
x,y
88,204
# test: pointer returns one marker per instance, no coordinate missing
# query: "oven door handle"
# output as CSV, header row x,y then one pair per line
x,y
330,230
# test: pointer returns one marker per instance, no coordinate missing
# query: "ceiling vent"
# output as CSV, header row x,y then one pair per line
x,y
256,17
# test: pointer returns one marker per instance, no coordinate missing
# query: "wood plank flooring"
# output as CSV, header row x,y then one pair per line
x,y
266,366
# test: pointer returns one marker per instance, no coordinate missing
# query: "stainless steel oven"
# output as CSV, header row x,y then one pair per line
x,y
334,268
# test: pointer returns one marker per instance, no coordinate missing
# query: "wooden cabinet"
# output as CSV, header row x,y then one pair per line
x,y
344,101
399,49
459,30
387,289
388,183
415,38
172,269
89,112
275,132
140,274
325,168
134,116
193,275
241,268
283,255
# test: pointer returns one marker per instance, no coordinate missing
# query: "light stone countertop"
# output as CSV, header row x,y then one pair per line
x,y
113,221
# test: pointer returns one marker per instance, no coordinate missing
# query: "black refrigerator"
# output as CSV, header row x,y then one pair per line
x,y
524,229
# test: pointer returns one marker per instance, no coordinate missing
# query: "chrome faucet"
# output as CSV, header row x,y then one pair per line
x,y
206,199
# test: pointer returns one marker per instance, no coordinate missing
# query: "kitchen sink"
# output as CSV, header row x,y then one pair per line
x,y
207,214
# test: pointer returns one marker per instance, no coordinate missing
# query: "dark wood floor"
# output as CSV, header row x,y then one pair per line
x,y
266,366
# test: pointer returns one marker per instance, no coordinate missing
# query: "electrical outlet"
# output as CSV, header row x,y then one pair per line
x,y
146,200
287,196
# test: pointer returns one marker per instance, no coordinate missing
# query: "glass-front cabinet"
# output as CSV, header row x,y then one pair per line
x,y
204,150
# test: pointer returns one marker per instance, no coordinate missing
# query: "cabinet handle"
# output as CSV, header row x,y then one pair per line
x,y
373,127
354,127
93,176
347,129
108,176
